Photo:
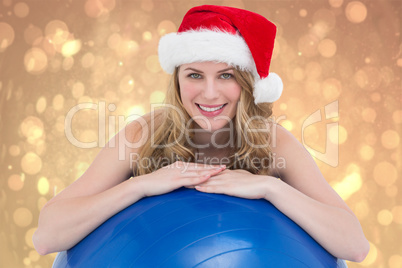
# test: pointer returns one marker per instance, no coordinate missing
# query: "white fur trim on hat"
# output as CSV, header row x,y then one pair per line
x,y
203,45
268,89
176,49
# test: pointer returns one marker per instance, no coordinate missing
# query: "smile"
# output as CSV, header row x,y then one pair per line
x,y
210,109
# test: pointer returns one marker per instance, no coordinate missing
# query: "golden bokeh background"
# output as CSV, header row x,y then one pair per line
x,y
93,64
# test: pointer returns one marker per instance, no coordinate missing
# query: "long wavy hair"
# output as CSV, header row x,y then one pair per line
x,y
171,141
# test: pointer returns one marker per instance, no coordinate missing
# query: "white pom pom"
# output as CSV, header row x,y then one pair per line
x,y
268,89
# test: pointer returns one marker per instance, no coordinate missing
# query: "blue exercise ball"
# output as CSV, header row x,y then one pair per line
x,y
187,228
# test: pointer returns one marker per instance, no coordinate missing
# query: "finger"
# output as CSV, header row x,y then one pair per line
x,y
213,182
209,189
200,173
195,180
204,167
196,173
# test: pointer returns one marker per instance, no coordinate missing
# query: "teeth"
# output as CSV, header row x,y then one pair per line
x,y
210,109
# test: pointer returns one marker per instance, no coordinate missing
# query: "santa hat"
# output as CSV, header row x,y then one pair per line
x,y
235,36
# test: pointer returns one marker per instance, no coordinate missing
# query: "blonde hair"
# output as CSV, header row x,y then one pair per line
x,y
168,145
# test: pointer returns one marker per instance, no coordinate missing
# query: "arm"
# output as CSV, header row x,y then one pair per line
x,y
303,195
105,189
102,191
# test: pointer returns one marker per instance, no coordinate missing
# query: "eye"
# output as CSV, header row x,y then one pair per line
x,y
195,76
226,76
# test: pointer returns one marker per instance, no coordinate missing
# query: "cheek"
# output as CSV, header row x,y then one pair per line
x,y
235,93
188,92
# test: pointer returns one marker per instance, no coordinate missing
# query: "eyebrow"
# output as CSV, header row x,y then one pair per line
x,y
199,71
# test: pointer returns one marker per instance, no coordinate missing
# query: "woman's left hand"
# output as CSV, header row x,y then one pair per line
x,y
238,182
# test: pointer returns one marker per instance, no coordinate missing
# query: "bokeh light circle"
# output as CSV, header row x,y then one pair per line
x,y
7,36
152,64
391,190
157,97
97,8
384,217
43,186
15,182
366,152
147,36
397,116
31,163
87,60
399,62
35,61
397,214
7,3
41,105
331,89
78,90
126,84
298,74
34,255
327,48
21,10
22,217
58,102
385,173
390,139
57,32
32,128
114,40
369,115
362,209
165,27
313,70
323,22
356,12
336,3
41,202
33,35
14,150
395,261
28,237
303,13
71,48
307,45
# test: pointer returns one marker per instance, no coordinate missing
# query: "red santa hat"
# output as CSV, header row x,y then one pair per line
x,y
235,36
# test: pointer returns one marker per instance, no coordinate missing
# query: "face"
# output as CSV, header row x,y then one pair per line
x,y
209,93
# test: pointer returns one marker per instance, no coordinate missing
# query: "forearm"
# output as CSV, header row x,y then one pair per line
x,y
336,229
65,222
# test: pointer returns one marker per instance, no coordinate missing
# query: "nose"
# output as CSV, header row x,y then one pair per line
x,y
210,90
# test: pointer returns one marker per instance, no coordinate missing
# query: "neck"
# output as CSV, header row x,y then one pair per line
x,y
218,139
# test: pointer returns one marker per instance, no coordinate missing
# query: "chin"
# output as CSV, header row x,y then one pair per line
x,y
214,125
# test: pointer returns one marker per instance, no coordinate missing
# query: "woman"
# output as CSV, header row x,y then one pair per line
x,y
214,135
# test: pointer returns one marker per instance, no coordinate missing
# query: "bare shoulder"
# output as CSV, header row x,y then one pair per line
x,y
113,164
295,166
139,128
287,150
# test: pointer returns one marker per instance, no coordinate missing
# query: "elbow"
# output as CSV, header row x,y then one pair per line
x,y
361,253
40,244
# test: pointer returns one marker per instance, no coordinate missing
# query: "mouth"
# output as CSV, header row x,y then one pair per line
x,y
210,108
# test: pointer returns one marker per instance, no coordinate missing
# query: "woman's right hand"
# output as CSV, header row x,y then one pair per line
x,y
176,175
